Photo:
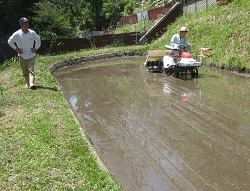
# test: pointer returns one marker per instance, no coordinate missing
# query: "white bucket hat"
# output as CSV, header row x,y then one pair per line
x,y
183,29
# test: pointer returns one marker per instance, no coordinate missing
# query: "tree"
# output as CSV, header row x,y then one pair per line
x,y
52,20
11,12
92,17
66,19
129,8
112,11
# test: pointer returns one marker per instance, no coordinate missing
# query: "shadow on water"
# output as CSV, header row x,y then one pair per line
x,y
157,132
45,88
187,76
204,75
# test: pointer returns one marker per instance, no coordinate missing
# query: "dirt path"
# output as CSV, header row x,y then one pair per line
x,y
155,132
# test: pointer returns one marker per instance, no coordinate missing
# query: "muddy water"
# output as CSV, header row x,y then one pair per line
x,y
156,132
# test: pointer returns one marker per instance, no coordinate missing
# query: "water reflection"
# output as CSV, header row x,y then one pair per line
x,y
167,88
73,102
87,103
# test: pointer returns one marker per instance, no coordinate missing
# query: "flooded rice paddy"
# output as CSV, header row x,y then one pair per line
x,y
156,132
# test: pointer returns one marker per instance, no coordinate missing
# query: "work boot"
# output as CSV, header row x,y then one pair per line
x,y
27,81
31,81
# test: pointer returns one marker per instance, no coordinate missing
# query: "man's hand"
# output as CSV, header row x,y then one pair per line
x,y
19,50
33,50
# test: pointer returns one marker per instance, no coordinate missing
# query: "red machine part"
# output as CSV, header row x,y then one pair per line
x,y
186,55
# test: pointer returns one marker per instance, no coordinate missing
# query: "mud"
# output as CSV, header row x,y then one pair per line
x,y
156,132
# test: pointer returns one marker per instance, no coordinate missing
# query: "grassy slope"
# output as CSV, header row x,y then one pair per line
x,y
224,28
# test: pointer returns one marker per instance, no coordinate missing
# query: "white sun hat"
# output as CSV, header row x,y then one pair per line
x,y
183,29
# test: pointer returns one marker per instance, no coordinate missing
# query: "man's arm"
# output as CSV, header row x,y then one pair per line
x,y
174,41
37,40
12,43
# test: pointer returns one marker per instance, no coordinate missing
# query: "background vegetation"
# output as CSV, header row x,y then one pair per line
x,y
11,12
67,19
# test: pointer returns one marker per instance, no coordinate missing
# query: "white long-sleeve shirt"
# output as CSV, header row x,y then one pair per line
x,y
25,41
177,40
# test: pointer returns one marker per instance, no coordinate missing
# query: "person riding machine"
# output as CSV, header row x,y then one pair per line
x,y
176,58
179,58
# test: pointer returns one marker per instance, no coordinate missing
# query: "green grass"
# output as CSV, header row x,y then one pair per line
x,y
8,63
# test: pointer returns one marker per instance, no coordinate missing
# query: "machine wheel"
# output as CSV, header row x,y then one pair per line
x,y
176,72
194,73
169,71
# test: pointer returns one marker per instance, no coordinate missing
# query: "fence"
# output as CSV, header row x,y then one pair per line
x,y
192,6
151,14
64,45
189,6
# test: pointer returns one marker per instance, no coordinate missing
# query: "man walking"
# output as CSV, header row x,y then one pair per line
x,y
26,42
